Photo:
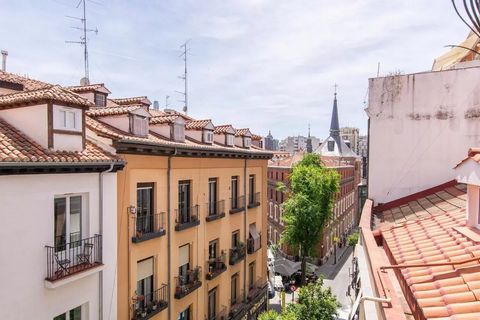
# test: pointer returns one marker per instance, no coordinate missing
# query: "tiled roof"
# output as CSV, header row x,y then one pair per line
x,y
223,128
432,236
112,111
163,119
197,124
16,147
28,84
52,93
90,87
242,132
256,137
132,100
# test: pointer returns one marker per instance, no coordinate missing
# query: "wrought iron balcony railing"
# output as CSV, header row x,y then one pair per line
x,y
186,218
147,227
237,304
254,199
216,266
215,210
65,259
148,305
252,245
237,204
187,283
221,314
237,253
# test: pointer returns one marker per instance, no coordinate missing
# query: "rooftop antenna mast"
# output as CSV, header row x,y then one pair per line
x,y
167,104
184,76
83,39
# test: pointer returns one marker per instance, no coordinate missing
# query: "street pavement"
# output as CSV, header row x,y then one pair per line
x,y
336,276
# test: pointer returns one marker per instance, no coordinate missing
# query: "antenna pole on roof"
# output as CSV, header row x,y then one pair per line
x,y
83,39
184,76
167,104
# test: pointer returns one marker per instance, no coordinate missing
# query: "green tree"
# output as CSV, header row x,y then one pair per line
x,y
352,239
309,205
314,302
269,315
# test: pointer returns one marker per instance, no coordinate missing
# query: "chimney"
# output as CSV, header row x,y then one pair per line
x,y
84,81
4,60
156,105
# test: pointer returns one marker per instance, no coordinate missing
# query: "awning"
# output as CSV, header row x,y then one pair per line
x,y
286,267
256,237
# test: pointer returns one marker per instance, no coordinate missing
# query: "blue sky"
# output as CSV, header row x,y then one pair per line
x,y
263,64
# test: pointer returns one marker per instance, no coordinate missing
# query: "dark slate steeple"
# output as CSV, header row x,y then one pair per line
x,y
309,141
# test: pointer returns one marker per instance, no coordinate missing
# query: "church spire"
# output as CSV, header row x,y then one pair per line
x,y
309,141
334,126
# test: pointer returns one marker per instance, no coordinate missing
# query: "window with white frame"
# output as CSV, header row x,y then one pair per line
x,y
247,142
74,314
138,125
230,140
67,119
281,216
207,136
178,132
67,221
275,216
271,211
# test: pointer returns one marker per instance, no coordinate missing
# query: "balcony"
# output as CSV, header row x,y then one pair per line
x,y
252,245
237,306
216,266
146,306
254,200
186,218
66,259
148,227
186,284
258,288
237,254
219,315
216,210
237,204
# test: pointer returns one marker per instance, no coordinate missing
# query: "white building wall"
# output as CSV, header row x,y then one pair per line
x,y
33,121
28,220
421,125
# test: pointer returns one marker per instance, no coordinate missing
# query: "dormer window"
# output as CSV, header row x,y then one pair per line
x,y
67,119
100,99
138,125
230,140
178,130
247,142
207,136
330,145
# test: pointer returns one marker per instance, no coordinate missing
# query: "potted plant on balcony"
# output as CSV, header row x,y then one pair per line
x,y
138,234
153,305
144,312
196,275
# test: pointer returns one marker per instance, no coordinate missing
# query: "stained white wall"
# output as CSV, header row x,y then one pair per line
x,y
32,121
120,122
27,226
67,142
421,126
161,129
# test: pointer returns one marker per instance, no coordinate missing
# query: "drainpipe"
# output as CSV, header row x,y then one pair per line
x,y
169,237
245,228
375,299
100,230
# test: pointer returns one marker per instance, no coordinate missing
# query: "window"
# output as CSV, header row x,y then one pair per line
x,y
251,275
145,207
138,125
74,314
184,201
234,289
212,304
251,189
212,196
213,249
68,221
230,139
235,238
185,314
184,262
234,190
178,132
144,282
100,99
67,119
330,145
207,136
247,142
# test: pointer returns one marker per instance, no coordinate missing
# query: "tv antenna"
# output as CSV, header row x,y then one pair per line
x,y
83,39
167,104
184,54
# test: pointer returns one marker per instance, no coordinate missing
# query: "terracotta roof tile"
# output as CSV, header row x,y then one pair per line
x,y
52,93
132,100
256,137
163,119
242,132
197,124
17,147
90,87
112,111
223,128
28,84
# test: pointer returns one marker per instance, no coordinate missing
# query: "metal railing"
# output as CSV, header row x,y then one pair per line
x,y
184,284
237,204
221,314
215,210
186,217
256,288
144,306
254,199
251,244
237,253
237,304
65,259
216,266
146,226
